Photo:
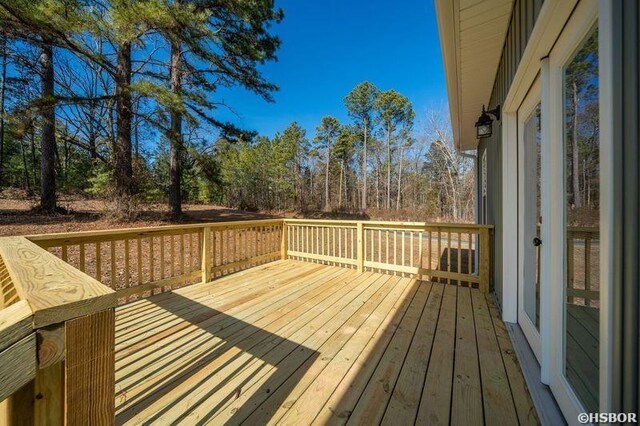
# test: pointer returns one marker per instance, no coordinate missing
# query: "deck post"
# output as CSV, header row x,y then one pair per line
x,y
485,259
205,256
285,242
49,395
89,376
360,253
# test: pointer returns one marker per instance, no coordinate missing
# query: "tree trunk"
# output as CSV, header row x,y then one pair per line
x,y
378,180
3,84
326,182
34,161
175,137
399,179
48,141
388,167
122,148
364,168
575,174
340,189
25,171
93,135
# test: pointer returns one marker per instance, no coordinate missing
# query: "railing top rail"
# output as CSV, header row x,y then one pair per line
x,y
390,224
584,229
54,290
15,323
148,230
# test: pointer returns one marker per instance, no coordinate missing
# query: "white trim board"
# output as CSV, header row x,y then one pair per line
x,y
609,45
552,18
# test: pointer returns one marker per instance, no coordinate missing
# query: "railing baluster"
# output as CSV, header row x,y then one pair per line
x,y
411,248
570,269
469,253
449,254
587,269
113,265
485,259
162,258
206,254
353,243
98,261
139,259
430,252
395,247
439,254
370,234
127,272
420,233
387,253
334,241
81,258
152,266
360,237
459,258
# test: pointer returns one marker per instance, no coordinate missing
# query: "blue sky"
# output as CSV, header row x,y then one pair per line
x,y
330,46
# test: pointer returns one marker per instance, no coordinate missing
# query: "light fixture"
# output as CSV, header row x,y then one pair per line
x,y
484,123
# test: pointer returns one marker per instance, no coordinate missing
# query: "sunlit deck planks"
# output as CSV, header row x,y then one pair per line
x,y
301,343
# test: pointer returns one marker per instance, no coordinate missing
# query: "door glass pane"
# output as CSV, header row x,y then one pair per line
x,y
582,194
532,217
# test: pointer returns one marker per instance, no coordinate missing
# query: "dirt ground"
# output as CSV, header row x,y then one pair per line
x,y
16,217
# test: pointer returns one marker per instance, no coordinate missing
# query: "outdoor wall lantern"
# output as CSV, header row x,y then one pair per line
x,y
484,123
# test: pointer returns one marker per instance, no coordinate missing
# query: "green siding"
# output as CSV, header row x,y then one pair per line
x,y
626,227
523,18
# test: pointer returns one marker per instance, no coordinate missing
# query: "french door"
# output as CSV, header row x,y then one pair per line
x,y
530,217
570,158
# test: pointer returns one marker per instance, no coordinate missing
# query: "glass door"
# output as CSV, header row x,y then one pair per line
x,y
530,218
582,218
571,213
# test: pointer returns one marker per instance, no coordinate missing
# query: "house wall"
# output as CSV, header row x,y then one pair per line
x,y
623,234
621,338
523,18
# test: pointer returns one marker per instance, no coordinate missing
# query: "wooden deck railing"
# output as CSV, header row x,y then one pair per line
x,y
57,328
140,261
58,291
583,252
447,253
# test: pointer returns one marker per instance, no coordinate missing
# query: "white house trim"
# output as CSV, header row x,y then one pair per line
x,y
609,52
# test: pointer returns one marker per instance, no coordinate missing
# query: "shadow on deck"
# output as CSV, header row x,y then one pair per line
x,y
301,343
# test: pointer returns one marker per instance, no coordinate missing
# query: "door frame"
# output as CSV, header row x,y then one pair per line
x,y
528,106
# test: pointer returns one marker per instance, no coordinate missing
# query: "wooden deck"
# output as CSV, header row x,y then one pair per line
x,y
300,343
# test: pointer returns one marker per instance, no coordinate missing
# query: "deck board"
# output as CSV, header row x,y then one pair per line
x,y
301,343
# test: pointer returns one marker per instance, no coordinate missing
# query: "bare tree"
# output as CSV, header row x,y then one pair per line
x,y
446,167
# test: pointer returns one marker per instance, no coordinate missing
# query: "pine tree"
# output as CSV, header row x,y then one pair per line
x,y
393,110
360,104
326,135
